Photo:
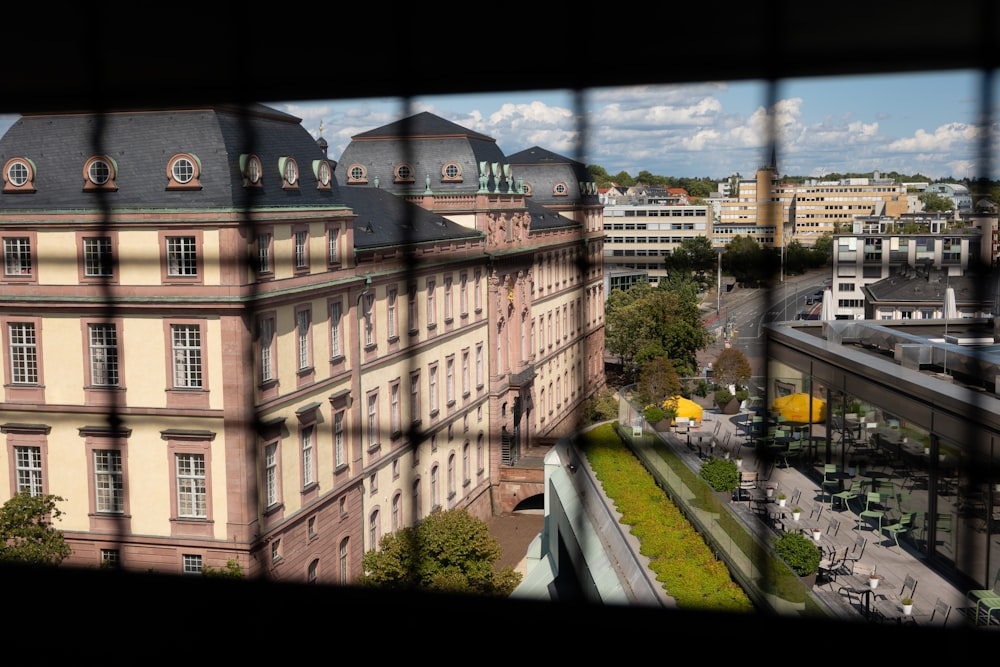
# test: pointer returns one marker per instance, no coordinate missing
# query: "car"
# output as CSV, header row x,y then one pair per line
x,y
815,297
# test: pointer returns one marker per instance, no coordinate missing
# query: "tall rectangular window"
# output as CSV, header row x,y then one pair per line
x,y
415,397
302,329
186,348
463,294
465,372
336,331
266,349
108,481
103,355
264,253
301,250
339,452
182,256
28,462
308,467
411,308
271,474
97,257
191,498
447,299
476,291
394,419
449,375
332,248
373,419
369,317
479,364
17,256
23,353
390,304
431,315
432,388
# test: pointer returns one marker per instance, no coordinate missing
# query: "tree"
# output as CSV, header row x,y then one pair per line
x,y
933,202
731,367
658,380
26,531
449,551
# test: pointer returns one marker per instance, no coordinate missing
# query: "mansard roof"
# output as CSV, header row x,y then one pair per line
x,y
141,144
383,219
543,170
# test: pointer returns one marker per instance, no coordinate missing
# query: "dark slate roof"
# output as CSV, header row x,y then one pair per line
x,y
383,219
142,142
919,287
542,169
426,142
544,218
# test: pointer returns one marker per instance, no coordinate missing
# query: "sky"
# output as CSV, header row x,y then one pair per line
x,y
922,123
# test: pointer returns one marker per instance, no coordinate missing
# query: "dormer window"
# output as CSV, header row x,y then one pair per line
x,y
19,175
527,189
323,173
99,173
357,174
403,173
251,170
559,189
183,171
451,172
289,173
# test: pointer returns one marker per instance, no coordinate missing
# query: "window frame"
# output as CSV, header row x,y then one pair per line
x,y
190,444
174,179
106,258
9,184
20,264
170,256
189,395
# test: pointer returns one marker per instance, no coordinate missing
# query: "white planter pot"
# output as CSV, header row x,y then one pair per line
x,y
739,463
907,609
781,502
796,515
873,583
817,535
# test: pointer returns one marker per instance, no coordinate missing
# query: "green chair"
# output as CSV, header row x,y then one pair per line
x,y
901,527
987,599
793,452
846,496
830,486
874,509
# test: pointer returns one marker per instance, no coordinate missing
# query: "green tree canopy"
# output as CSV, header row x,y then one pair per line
x,y
658,380
934,203
731,367
27,533
449,551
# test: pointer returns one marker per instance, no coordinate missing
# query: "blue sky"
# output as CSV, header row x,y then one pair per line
x,y
907,123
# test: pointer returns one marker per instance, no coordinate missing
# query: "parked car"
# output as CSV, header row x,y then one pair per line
x,y
815,297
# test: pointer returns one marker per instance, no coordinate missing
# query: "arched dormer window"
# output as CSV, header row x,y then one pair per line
x,y
289,169
18,175
99,173
403,173
357,174
560,189
451,172
251,169
323,173
183,171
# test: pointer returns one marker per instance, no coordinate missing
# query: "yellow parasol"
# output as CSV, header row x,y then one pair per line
x,y
684,407
795,408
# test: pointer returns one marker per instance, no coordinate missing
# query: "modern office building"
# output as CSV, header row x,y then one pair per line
x,y
220,345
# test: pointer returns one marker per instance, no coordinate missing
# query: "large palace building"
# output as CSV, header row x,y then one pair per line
x,y
220,344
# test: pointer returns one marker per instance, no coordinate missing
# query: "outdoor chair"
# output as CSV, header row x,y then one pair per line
x,y
986,598
830,486
796,496
942,609
748,479
902,527
909,587
846,496
875,509
856,553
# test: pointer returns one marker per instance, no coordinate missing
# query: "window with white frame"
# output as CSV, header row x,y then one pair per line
x,y
264,253
369,317
394,418
332,246
447,299
463,294
192,564
415,397
312,572
308,461
111,559
191,489
397,501
480,449
182,256
435,491
23,352
301,249
431,315
390,305
432,388
97,257
186,348
411,309
479,364
373,529
344,574
109,481
466,475
17,256
28,467
477,294
266,326
449,376
451,475
271,474
302,325
340,453
103,344
336,331
465,372
416,504
373,420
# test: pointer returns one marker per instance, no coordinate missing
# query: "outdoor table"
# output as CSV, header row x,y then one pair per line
x,y
840,476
